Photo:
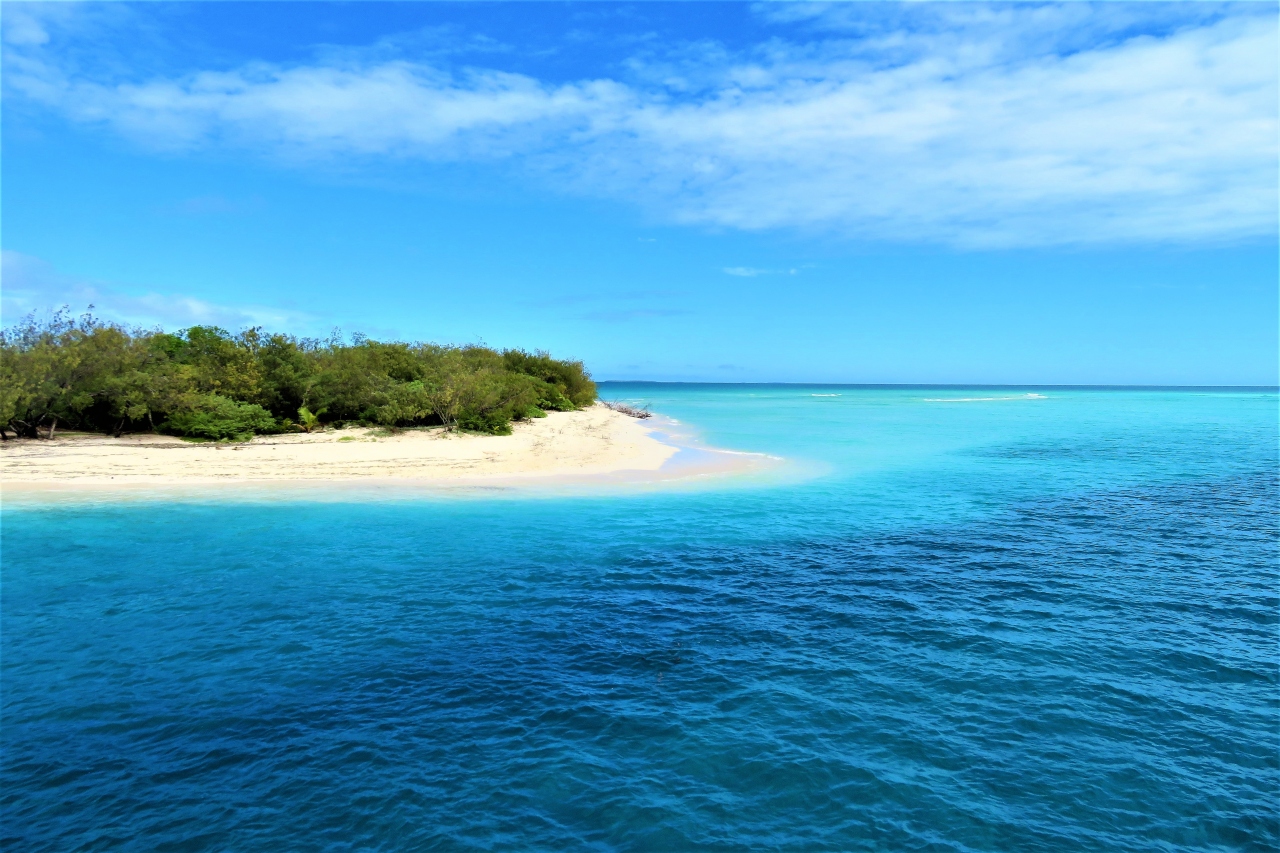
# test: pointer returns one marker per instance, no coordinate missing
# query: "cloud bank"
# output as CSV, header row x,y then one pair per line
x,y
969,126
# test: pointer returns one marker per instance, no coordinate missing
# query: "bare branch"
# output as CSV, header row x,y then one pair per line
x,y
632,411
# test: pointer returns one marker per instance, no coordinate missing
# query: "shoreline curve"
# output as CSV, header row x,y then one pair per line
x,y
566,452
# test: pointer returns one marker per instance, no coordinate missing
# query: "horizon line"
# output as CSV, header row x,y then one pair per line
x,y
956,385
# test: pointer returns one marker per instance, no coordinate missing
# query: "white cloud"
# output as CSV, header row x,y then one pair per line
x,y
752,272
393,108
25,23
33,285
990,126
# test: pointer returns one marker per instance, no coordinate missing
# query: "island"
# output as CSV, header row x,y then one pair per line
x,y
85,402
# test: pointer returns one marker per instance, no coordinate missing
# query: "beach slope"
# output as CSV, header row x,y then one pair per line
x,y
592,442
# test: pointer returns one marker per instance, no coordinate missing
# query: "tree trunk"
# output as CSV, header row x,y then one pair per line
x,y
119,429
52,427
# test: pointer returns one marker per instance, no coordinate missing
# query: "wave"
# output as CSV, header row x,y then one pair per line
x,y
983,399
744,453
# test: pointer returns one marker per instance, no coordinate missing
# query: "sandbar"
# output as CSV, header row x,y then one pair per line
x,y
595,443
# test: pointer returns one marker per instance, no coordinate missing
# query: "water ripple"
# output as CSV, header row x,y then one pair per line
x,y
1088,672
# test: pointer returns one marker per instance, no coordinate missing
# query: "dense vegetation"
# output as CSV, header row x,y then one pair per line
x,y
83,373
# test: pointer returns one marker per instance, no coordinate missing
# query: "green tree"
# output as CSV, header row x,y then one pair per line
x,y
83,373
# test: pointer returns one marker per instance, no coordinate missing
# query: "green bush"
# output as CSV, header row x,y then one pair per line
x,y
204,382
308,420
488,423
569,379
552,399
218,418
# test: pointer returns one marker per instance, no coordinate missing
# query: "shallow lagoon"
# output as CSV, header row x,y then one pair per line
x,y
954,619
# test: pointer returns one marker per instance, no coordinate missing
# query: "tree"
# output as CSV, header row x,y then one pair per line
x,y
83,373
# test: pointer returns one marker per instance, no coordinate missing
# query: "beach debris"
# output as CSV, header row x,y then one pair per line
x,y
628,410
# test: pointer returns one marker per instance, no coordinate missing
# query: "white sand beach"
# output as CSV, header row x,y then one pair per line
x,y
594,442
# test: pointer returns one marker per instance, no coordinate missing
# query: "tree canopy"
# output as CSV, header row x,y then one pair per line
x,y
204,382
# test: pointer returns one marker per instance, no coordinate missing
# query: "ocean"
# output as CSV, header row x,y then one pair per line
x,y
951,619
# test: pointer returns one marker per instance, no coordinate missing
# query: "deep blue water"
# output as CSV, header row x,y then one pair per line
x,y
1011,623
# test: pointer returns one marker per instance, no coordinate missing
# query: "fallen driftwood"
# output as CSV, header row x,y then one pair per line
x,y
629,410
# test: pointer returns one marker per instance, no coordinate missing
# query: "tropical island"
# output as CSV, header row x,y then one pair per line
x,y
85,401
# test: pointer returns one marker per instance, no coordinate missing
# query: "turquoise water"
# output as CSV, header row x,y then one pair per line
x,y
956,619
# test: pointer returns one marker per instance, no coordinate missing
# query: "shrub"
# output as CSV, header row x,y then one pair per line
x,y
570,379
219,418
552,399
204,382
308,420
488,423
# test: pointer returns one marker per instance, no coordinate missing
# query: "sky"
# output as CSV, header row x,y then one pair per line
x,y
792,192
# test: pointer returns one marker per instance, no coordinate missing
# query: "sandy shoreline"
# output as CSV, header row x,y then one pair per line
x,y
594,444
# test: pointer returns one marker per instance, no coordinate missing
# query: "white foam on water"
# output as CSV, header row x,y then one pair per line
x,y
983,399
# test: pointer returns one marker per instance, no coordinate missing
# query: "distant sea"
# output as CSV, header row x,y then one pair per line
x,y
954,619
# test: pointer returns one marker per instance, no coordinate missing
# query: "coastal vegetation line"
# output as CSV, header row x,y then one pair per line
x,y
203,382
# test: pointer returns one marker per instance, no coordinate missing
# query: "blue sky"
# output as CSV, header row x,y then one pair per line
x,y
699,191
